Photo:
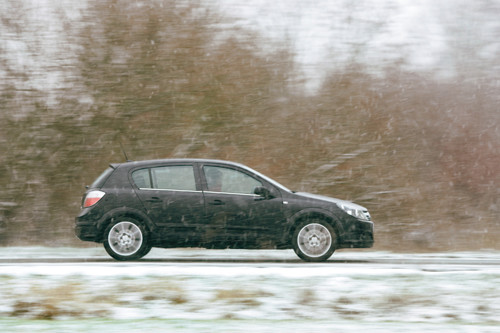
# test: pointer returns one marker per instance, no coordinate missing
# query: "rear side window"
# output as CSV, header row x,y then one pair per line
x,y
178,177
99,182
141,178
174,178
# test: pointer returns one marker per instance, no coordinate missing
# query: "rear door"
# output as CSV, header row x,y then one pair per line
x,y
173,200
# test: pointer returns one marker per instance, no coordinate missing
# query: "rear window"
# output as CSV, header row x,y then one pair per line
x,y
99,182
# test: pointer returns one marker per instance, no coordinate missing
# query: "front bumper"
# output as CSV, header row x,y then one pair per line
x,y
358,234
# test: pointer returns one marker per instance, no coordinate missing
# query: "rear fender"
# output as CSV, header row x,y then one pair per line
x,y
121,212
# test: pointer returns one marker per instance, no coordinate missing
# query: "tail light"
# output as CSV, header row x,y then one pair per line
x,y
92,198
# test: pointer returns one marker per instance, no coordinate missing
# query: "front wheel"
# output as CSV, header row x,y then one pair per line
x,y
126,240
314,240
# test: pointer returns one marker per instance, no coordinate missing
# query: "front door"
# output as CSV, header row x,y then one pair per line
x,y
236,216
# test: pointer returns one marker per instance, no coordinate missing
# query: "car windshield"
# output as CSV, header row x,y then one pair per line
x,y
269,180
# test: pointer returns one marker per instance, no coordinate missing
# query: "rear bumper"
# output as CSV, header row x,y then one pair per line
x,y
86,227
86,232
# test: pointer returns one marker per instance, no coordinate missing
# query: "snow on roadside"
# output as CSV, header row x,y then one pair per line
x,y
357,293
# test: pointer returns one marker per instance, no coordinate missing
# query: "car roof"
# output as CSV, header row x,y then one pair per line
x,y
131,164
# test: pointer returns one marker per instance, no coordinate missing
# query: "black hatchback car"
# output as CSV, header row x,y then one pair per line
x,y
134,206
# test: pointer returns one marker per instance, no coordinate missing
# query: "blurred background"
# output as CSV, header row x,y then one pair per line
x,y
390,104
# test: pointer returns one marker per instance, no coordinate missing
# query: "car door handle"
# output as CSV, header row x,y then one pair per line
x,y
153,199
217,203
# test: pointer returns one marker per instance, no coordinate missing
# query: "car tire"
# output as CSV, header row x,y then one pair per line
x,y
125,239
314,240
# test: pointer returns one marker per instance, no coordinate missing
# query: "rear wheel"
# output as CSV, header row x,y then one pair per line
x,y
314,240
126,240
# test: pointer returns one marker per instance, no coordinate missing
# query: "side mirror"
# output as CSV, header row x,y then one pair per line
x,y
263,192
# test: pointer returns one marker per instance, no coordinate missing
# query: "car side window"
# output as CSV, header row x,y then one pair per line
x,y
228,180
174,178
141,178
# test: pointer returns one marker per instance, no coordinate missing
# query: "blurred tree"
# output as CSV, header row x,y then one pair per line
x,y
422,154
156,75
173,79
165,80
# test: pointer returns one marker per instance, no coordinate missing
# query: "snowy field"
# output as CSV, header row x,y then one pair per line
x,y
247,291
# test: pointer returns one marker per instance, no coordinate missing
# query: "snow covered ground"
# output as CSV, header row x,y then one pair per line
x,y
261,291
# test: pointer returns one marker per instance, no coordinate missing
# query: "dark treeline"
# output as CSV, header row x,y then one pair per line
x,y
165,81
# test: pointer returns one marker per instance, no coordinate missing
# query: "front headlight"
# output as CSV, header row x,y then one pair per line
x,y
355,211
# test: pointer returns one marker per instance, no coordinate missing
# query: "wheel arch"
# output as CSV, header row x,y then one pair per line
x,y
123,212
324,215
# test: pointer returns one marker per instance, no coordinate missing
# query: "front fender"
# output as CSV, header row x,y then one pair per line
x,y
327,215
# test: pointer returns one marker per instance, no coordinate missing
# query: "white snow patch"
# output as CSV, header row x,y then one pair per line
x,y
435,288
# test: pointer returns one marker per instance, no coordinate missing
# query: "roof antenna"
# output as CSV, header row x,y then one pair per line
x,y
124,152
